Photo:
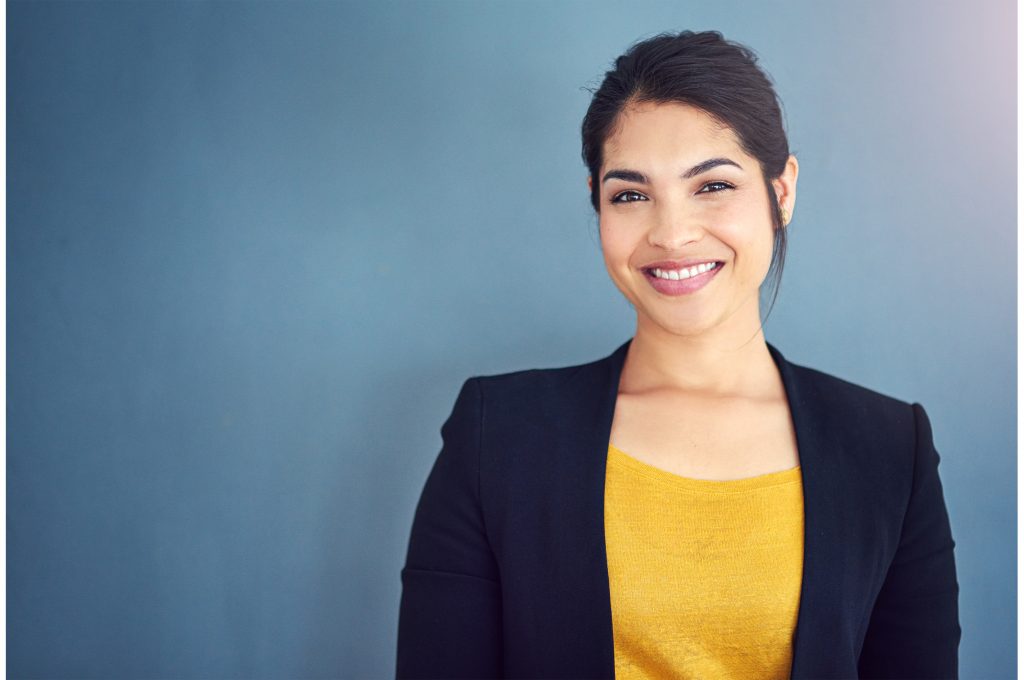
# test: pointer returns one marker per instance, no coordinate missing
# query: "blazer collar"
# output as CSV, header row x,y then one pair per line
x,y
815,627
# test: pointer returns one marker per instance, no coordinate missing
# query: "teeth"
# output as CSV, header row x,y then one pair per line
x,y
680,274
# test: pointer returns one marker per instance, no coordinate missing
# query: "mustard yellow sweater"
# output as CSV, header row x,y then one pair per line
x,y
704,575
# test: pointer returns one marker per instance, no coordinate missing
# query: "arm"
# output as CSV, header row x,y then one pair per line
x,y
449,622
914,630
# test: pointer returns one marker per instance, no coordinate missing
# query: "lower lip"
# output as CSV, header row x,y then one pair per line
x,y
683,286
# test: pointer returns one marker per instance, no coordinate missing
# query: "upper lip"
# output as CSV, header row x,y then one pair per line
x,y
679,264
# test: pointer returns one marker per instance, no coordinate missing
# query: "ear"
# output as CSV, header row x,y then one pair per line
x,y
785,184
590,182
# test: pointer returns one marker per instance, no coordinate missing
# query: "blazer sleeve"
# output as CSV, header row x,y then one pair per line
x,y
914,631
449,622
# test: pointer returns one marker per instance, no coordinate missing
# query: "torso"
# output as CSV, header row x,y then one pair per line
x,y
714,438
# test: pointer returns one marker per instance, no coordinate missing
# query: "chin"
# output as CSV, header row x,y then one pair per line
x,y
683,327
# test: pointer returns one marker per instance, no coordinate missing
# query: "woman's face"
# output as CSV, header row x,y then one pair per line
x,y
677,189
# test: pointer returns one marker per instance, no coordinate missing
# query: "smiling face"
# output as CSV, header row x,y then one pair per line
x,y
677,189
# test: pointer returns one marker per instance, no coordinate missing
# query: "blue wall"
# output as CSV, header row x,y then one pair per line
x,y
255,248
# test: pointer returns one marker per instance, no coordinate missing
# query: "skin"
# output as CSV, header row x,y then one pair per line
x,y
698,372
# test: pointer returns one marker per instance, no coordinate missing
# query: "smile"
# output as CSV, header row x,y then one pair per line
x,y
678,274
682,281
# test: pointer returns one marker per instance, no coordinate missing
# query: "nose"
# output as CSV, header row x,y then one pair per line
x,y
674,226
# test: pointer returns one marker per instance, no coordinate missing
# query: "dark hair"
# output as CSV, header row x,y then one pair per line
x,y
707,71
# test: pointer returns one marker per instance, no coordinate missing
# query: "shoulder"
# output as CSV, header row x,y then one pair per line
x,y
533,383
862,428
544,400
841,399
877,442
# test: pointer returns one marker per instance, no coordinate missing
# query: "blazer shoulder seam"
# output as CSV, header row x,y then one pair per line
x,y
821,377
480,456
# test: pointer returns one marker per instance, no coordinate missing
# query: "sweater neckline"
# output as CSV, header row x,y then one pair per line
x,y
762,481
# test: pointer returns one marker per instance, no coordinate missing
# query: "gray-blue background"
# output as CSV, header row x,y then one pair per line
x,y
255,248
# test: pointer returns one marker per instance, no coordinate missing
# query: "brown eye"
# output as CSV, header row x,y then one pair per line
x,y
628,197
718,186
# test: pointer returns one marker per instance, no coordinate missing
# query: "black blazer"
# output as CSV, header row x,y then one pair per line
x,y
506,572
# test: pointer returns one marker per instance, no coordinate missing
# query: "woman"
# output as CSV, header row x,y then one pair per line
x,y
692,505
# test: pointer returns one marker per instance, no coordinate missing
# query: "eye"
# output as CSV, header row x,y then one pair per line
x,y
628,196
719,186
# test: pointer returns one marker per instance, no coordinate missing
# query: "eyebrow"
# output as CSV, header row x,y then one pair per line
x,y
640,178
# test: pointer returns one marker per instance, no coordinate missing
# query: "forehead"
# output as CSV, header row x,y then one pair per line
x,y
649,132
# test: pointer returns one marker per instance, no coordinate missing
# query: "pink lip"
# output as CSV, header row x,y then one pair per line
x,y
683,286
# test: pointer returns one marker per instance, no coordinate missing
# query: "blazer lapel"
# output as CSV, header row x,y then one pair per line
x,y
581,624
816,643
817,632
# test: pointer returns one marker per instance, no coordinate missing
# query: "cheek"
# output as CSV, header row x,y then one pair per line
x,y
616,242
747,232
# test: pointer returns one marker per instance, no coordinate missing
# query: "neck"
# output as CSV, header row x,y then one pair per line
x,y
712,364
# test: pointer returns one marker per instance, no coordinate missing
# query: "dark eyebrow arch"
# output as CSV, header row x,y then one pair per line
x,y
704,166
640,178
626,175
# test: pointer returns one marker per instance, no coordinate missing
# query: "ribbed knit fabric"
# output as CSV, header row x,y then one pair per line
x,y
704,575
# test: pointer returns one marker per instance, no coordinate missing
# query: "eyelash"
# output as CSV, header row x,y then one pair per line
x,y
725,185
